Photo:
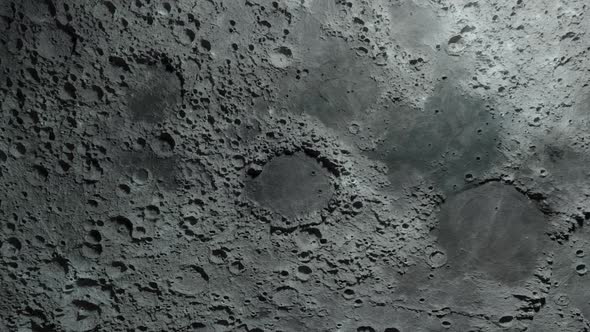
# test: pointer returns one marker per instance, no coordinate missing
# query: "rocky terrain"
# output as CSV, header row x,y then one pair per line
x,y
294,165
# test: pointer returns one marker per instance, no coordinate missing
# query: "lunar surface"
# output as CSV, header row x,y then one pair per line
x,y
294,165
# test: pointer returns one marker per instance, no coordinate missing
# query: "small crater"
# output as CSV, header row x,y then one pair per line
x,y
218,256
151,212
11,247
456,45
123,226
91,250
189,36
18,150
119,62
164,144
70,90
437,259
365,329
82,316
54,43
354,128
349,294
236,267
139,232
141,176
191,280
94,236
120,266
41,173
238,162
562,300
285,297
37,175
281,57
123,190
303,272
110,6
506,321
206,45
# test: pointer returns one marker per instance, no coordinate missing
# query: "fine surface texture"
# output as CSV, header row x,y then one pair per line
x,y
294,165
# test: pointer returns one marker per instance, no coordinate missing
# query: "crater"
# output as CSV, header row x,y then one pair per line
x,y
492,230
190,280
281,57
292,185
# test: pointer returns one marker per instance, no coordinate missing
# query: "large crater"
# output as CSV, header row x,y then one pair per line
x,y
492,230
292,185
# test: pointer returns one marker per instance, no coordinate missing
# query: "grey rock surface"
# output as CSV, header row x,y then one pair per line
x,y
294,165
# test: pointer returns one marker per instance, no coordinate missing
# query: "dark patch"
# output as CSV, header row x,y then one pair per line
x,y
202,273
452,140
292,185
493,230
119,62
155,97
206,45
284,50
555,153
365,329
339,90
88,306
